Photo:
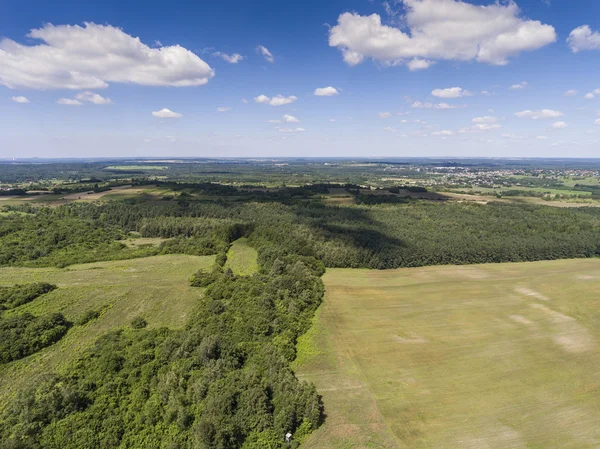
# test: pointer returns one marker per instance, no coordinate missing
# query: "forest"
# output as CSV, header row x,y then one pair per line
x,y
225,380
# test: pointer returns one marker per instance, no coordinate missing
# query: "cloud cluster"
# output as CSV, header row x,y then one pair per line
x,y
440,29
91,56
291,130
384,115
92,97
326,91
486,119
452,92
420,105
521,85
166,113
559,125
591,95
583,38
279,100
69,102
222,109
232,59
262,50
536,115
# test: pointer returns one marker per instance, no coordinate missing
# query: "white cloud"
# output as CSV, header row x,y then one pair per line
x,y
244,101
290,119
279,100
542,138
290,130
571,93
223,109
559,125
20,99
420,105
444,133
486,93
261,49
451,92
389,129
441,29
326,91
384,115
166,113
486,126
93,97
583,38
419,64
592,94
232,59
90,57
486,119
521,85
514,136
536,115
69,102
597,122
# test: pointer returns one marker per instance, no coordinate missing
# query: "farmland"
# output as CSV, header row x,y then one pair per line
x,y
484,356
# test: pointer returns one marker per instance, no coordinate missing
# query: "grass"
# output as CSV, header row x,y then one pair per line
x,y
489,356
242,258
155,288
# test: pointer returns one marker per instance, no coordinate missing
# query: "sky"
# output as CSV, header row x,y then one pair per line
x,y
353,78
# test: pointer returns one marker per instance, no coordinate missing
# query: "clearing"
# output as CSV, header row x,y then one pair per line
x,y
242,258
156,288
474,357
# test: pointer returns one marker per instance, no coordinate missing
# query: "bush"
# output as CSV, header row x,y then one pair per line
x,y
139,323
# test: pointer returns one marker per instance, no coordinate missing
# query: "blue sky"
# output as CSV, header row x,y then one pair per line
x,y
383,103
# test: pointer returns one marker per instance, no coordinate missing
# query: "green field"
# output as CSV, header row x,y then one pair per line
x,y
155,288
482,357
242,258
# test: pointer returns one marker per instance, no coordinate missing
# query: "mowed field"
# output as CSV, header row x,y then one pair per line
x,y
475,357
156,288
242,258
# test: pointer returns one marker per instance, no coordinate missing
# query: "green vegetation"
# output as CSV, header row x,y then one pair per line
x,y
242,259
17,295
455,356
26,334
99,298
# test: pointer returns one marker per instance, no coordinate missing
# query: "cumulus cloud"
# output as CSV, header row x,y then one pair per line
x,y
232,59
536,115
223,109
93,97
591,95
326,91
487,93
262,50
69,102
290,119
20,99
486,126
166,113
559,125
279,100
521,85
571,93
486,119
419,64
583,38
441,29
597,122
384,115
451,92
92,56
420,105
291,130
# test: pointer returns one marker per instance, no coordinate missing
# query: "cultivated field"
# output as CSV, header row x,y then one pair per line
x,y
156,288
475,357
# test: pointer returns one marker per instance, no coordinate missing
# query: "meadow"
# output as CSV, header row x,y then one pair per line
x,y
155,288
242,259
483,356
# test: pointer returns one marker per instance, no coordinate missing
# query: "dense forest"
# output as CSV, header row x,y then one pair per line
x,y
224,381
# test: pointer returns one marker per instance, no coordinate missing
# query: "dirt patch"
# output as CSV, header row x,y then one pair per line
x,y
521,320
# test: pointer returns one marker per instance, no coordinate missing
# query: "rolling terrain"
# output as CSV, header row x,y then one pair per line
x,y
485,356
155,288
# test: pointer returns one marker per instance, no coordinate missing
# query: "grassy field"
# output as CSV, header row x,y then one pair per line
x,y
156,288
476,357
242,258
